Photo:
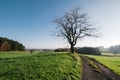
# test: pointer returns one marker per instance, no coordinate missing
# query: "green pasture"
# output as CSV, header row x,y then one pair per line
x,y
110,61
12,54
39,66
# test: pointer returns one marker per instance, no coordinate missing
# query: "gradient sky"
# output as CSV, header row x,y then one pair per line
x,y
31,21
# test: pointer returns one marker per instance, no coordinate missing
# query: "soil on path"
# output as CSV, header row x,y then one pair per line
x,y
92,70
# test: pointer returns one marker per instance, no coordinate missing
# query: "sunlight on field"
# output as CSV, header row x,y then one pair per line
x,y
41,66
110,61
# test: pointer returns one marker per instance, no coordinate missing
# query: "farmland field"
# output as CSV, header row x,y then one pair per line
x,y
39,66
12,54
110,61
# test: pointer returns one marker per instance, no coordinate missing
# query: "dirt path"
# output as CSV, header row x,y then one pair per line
x,y
92,70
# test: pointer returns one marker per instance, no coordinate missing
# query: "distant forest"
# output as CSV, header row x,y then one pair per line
x,y
10,45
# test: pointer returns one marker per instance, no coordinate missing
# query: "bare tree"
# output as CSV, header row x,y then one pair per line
x,y
73,26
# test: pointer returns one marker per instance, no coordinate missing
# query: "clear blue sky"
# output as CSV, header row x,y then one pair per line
x,y
31,21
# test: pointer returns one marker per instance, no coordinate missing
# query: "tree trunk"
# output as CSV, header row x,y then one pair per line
x,y
72,48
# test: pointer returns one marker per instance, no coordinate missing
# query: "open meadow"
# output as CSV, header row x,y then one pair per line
x,y
110,61
39,66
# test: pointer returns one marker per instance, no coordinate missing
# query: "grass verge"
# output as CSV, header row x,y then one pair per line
x,y
111,62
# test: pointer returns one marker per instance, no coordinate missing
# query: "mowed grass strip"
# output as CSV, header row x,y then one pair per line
x,y
112,62
42,66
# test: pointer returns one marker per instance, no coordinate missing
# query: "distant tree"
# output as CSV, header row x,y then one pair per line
x,y
1,42
21,47
73,26
62,50
31,51
5,46
58,50
115,49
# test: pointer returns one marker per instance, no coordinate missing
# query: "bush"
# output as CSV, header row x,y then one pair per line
x,y
62,50
89,50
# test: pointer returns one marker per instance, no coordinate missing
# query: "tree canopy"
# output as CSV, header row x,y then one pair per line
x,y
10,45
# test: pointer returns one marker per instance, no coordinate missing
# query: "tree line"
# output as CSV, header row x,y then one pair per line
x,y
10,45
81,50
115,49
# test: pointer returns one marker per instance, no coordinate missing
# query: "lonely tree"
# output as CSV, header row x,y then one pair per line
x,y
73,26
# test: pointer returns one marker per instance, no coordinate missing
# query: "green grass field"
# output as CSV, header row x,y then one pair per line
x,y
13,54
110,61
39,66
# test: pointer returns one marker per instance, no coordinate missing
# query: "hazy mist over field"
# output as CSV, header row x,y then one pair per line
x,y
31,21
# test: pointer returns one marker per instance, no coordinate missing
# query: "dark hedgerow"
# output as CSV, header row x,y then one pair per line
x,y
89,50
62,50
